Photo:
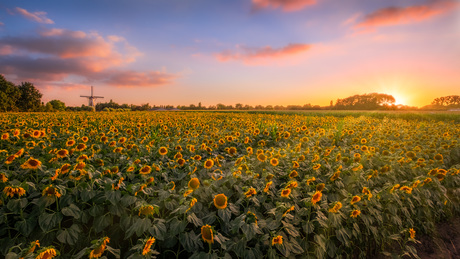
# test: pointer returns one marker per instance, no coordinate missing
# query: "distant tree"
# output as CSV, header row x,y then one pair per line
x,y
451,100
9,95
49,107
30,98
57,105
370,101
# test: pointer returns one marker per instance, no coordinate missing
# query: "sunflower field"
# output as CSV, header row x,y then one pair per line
x,y
222,185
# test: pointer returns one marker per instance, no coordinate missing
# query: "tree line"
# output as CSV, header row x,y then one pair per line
x,y
27,98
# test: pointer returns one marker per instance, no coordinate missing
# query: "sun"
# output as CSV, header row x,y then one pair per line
x,y
399,98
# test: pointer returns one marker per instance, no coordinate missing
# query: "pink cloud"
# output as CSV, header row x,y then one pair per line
x,y
247,54
144,79
404,15
285,5
39,17
53,55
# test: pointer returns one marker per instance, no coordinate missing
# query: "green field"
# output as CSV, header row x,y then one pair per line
x,y
329,184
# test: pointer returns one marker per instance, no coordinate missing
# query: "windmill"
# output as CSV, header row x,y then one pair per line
x,y
91,98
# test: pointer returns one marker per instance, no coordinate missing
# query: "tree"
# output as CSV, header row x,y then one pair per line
x,y
30,98
370,101
49,107
57,105
9,95
451,100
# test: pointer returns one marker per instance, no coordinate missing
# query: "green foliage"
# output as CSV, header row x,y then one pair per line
x,y
127,199
57,105
30,98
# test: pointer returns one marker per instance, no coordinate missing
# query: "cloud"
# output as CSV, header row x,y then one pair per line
x,y
285,5
52,55
133,78
404,15
39,17
247,54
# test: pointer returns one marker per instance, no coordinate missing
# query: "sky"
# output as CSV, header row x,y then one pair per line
x,y
255,52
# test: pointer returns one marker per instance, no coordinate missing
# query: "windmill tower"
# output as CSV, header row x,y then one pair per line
x,y
91,98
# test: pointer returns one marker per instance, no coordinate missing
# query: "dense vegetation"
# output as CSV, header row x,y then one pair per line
x,y
208,185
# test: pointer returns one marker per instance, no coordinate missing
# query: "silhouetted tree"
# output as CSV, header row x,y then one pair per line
x,y
30,98
9,95
370,101
57,105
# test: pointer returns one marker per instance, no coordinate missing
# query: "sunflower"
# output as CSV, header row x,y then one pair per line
x,y
12,190
267,186
148,244
220,201
5,136
3,178
51,192
316,197
355,213
335,176
32,247
427,180
192,203
208,164
406,189
438,157
232,151
336,208
145,170
412,233
146,210
84,139
31,163
65,168
163,151
285,193
288,210
355,199
82,157
10,159
100,248
291,185
46,253
320,187
194,183
295,164
81,147
274,162
19,153
293,174
278,240
181,161
206,234
261,157
70,143
36,133
79,166
311,180
62,153
251,191
117,150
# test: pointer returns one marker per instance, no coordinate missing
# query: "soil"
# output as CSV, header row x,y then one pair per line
x,y
444,243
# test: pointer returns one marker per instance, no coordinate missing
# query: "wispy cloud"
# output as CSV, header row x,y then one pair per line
x,y
404,15
39,17
285,5
52,55
248,54
134,78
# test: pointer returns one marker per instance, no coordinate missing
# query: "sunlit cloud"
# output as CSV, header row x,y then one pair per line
x,y
39,17
248,54
54,54
142,79
285,5
404,15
